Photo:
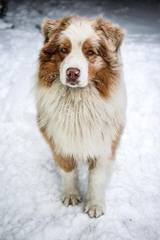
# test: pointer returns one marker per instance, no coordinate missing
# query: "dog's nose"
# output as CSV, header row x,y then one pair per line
x,y
72,74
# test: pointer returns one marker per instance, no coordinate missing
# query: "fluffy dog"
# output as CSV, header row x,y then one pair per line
x,y
81,102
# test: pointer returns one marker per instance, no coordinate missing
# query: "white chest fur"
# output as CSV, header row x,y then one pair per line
x,y
81,123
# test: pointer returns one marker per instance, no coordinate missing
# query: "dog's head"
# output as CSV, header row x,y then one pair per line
x,y
80,51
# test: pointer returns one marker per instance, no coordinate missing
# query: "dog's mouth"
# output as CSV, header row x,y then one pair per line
x,y
72,83
75,85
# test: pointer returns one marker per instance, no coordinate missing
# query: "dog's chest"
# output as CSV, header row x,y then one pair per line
x,y
77,121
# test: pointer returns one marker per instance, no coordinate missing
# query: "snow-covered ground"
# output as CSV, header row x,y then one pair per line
x,y
30,206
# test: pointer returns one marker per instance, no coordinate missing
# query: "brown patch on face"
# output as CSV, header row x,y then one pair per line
x,y
66,163
51,55
104,80
90,51
103,66
116,141
53,51
103,57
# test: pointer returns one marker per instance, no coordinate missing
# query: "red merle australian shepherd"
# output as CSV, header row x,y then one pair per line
x,y
81,102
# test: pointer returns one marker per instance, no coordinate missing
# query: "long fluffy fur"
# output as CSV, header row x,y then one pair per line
x,y
82,124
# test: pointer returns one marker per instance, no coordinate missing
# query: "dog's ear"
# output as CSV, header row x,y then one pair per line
x,y
49,26
114,34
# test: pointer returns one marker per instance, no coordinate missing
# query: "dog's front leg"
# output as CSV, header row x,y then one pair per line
x,y
98,178
68,171
71,195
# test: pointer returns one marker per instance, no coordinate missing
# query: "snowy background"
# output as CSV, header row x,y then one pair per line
x,y
30,206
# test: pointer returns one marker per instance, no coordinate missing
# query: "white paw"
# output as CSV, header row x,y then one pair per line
x,y
94,210
71,199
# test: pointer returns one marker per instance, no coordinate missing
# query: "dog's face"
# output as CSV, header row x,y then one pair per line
x,y
81,41
79,52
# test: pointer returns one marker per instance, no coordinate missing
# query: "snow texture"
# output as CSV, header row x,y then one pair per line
x,y
30,206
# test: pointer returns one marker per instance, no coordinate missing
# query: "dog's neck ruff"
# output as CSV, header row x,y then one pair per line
x,y
75,119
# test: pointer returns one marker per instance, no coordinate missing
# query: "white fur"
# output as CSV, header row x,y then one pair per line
x,y
70,190
81,122
99,177
75,59
77,33
83,125
80,31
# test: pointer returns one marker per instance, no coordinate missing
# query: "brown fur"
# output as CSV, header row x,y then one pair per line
x,y
107,75
88,45
66,163
111,37
92,163
50,56
50,59
116,141
113,34
54,27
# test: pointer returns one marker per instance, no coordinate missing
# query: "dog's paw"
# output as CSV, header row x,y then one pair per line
x,y
94,210
71,199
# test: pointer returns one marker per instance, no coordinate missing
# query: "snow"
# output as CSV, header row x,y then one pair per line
x,y
30,206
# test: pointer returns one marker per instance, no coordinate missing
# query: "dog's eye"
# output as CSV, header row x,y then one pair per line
x,y
90,52
64,50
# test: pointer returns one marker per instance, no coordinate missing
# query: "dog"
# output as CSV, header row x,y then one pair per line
x,y
81,102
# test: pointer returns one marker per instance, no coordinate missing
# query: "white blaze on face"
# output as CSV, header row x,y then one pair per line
x,y
77,33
